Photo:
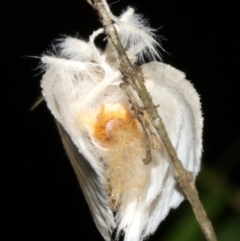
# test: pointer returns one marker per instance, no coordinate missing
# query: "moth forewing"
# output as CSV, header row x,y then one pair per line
x,y
91,185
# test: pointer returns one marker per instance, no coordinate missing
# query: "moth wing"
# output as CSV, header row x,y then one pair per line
x,y
188,136
90,185
179,106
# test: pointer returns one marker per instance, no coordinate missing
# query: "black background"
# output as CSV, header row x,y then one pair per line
x,y
39,193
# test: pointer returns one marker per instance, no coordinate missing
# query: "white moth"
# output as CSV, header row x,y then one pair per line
x,y
81,88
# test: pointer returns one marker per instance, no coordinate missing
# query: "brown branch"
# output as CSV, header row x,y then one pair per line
x,y
140,117
135,78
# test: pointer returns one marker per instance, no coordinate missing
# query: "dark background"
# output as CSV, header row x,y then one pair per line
x,y
40,197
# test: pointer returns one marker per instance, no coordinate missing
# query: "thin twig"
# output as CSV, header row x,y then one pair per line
x,y
135,78
140,117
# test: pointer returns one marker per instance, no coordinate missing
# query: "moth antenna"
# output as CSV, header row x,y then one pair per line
x,y
37,102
